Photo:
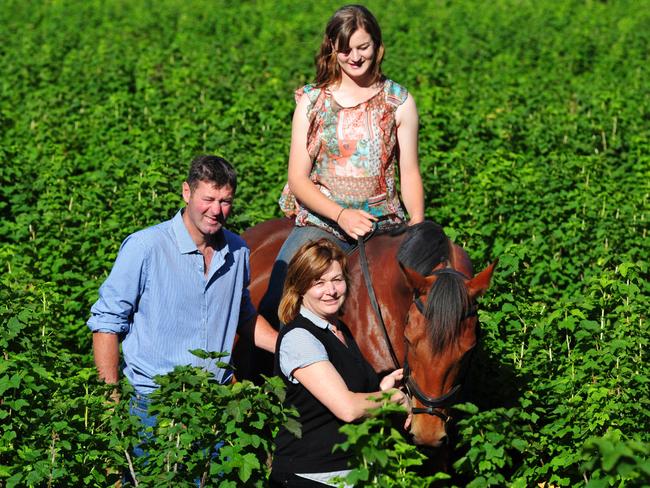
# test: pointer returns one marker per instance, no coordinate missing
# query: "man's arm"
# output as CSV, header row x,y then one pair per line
x,y
107,355
260,331
111,315
264,335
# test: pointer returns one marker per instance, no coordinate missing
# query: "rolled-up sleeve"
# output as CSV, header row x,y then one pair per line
x,y
119,294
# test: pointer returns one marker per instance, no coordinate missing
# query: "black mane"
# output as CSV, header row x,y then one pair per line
x,y
447,304
424,247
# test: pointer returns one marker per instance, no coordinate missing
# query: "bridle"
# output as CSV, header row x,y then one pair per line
x,y
432,405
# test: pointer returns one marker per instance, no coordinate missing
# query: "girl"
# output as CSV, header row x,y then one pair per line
x,y
349,129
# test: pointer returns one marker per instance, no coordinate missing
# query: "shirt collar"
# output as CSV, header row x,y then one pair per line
x,y
315,319
183,239
186,244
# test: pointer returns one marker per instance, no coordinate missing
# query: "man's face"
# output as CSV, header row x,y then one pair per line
x,y
208,207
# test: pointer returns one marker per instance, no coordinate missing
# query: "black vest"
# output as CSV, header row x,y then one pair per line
x,y
312,453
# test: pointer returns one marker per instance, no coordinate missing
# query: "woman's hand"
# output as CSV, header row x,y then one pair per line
x,y
401,398
390,380
355,223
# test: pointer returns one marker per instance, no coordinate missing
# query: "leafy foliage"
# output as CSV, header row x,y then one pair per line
x,y
381,454
210,433
534,147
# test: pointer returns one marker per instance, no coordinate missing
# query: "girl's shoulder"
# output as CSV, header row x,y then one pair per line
x,y
395,93
310,90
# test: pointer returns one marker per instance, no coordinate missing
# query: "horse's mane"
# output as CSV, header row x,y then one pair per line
x,y
447,304
424,247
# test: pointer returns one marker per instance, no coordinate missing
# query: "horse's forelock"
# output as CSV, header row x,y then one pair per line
x,y
447,304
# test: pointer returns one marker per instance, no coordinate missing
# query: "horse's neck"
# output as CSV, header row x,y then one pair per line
x,y
459,260
394,298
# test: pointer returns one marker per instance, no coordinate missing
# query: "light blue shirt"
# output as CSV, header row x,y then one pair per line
x,y
158,298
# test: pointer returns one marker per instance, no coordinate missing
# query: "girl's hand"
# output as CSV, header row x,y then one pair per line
x,y
355,223
389,381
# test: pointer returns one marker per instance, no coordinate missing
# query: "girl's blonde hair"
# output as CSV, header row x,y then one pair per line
x,y
345,22
309,263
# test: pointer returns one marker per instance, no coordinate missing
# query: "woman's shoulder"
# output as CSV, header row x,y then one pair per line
x,y
300,338
297,338
395,93
298,327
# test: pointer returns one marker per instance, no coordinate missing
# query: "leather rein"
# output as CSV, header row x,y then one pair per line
x,y
432,405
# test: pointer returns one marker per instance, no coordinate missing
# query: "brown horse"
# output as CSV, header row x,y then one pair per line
x,y
430,340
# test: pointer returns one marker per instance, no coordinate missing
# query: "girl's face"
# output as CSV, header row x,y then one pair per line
x,y
355,61
327,293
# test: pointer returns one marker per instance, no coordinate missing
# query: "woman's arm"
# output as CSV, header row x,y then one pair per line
x,y
355,223
412,190
325,383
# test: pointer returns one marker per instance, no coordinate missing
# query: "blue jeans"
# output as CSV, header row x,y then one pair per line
x,y
298,236
139,407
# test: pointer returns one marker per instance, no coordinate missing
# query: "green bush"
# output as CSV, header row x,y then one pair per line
x,y
534,148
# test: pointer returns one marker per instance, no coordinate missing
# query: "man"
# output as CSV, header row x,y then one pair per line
x,y
177,286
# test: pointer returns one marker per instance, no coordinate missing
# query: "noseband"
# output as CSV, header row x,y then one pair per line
x,y
433,406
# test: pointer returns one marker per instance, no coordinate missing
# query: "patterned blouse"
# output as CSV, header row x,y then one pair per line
x,y
354,150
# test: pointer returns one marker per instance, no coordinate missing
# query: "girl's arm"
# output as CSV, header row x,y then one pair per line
x,y
355,223
412,191
325,383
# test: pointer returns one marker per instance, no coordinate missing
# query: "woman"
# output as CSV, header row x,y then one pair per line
x,y
328,381
349,129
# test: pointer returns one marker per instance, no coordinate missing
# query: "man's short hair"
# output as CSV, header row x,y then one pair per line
x,y
212,169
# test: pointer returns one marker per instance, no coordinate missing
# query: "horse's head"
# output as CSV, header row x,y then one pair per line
x,y
439,334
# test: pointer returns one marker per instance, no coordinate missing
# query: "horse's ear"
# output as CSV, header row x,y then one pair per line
x,y
478,285
415,280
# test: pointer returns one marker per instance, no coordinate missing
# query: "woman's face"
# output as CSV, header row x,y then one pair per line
x,y
357,59
327,293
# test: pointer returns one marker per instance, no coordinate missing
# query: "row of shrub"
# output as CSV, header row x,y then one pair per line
x,y
534,148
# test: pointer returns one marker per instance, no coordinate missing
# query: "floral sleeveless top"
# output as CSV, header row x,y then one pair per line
x,y
354,150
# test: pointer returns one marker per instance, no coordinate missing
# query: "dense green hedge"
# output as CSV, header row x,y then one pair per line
x,y
534,148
